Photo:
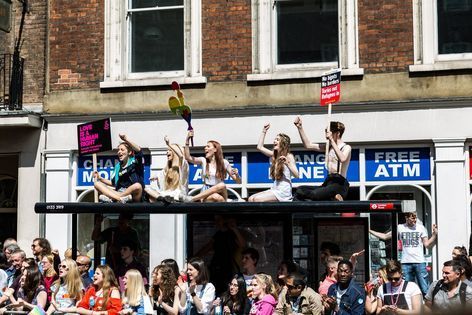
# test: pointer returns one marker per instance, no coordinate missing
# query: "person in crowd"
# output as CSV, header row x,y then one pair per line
x,y
199,292
129,261
214,170
335,186
414,238
83,264
226,245
180,276
68,253
173,180
249,260
264,295
7,242
67,290
285,268
10,270
466,265
41,247
103,296
459,251
398,296
234,300
128,181
282,168
449,295
17,259
345,296
297,298
371,290
164,292
115,236
3,275
135,299
331,273
49,274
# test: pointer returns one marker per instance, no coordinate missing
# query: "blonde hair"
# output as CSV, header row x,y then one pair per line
x,y
266,280
134,288
51,271
173,168
72,280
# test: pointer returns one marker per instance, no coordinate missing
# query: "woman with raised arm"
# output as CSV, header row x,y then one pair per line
x,y
67,290
214,170
128,180
282,168
164,291
199,292
173,180
103,296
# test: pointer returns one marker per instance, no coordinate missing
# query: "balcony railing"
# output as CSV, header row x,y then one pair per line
x,y
11,82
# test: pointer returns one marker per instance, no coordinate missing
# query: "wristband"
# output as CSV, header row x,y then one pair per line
x,y
193,294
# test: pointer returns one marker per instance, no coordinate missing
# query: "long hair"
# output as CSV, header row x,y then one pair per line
x,y
265,279
220,165
72,280
109,283
173,265
237,303
173,168
167,285
277,167
199,265
134,288
32,281
50,272
44,244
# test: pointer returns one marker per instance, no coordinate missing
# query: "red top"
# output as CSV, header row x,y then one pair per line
x,y
113,304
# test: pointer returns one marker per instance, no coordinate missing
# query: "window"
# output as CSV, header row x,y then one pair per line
x,y
304,38
442,37
152,42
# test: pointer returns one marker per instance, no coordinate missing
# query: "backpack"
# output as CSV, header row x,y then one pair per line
x,y
462,291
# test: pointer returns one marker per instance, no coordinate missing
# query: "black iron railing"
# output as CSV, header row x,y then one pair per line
x,y
11,81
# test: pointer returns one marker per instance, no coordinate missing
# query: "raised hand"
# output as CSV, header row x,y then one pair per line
x,y
166,139
123,137
266,127
298,122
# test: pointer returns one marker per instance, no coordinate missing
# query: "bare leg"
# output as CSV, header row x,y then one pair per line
x,y
152,194
134,190
217,189
263,196
215,198
338,197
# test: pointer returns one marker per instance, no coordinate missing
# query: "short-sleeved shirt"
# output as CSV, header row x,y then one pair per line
x,y
412,243
210,179
91,301
132,173
183,187
443,302
399,296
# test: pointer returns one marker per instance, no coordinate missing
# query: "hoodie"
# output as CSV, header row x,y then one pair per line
x,y
265,306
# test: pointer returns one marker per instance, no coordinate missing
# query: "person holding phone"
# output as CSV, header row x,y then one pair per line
x,y
346,296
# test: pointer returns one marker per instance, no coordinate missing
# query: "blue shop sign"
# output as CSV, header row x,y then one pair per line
x,y
310,164
105,167
195,171
398,164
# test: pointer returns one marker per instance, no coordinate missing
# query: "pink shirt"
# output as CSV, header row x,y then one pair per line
x,y
324,286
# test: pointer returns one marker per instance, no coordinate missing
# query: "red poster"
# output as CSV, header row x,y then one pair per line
x,y
94,137
330,88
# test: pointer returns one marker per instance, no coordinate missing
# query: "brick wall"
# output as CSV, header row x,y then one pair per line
x,y
77,47
226,43
385,35
33,47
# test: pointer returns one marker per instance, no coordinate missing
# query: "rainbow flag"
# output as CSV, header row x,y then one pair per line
x,y
37,311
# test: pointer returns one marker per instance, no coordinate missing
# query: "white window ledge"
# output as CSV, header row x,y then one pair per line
x,y
442,66
152,82
300,74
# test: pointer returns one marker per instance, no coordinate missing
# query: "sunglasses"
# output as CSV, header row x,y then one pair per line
x,y
396,279
80,265
62,267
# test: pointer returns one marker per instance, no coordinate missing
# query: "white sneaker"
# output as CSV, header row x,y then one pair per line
x,y
126,199
185,198
104,199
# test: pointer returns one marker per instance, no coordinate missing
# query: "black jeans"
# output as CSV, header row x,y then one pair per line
x,y
334,184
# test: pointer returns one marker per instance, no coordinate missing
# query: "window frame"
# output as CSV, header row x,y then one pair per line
x,y
425,36
117,44
264,43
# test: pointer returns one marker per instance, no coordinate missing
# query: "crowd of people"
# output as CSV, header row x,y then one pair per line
x,y
45,284
127,182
